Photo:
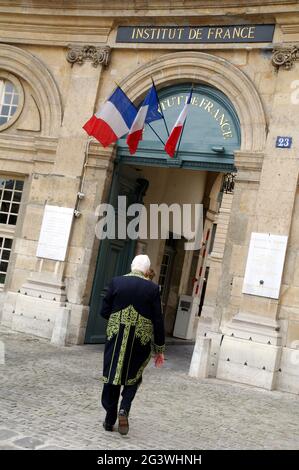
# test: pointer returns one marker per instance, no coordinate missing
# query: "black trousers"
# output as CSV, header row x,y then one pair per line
x,y
110,398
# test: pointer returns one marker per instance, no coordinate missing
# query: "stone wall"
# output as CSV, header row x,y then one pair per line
x,y
48,148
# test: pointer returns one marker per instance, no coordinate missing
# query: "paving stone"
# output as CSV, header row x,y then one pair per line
x,y
28,442
51,448
6,434
8,447
50,398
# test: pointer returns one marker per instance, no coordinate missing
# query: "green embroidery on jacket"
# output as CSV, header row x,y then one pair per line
x,y
129,317
138,274
144,330
113,324
159,349
121,356
139,373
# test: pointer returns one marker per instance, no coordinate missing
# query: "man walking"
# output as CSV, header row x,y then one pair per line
x,y
132,307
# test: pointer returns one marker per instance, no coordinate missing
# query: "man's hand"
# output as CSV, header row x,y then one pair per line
x,y
159,360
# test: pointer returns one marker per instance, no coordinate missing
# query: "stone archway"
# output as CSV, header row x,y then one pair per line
x,y
32,70
202,68
219,73
212,70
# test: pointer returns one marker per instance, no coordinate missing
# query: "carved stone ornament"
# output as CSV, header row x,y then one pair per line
x,y
97,55
285,56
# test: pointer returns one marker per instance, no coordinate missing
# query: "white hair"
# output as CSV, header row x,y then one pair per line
x,y
141,263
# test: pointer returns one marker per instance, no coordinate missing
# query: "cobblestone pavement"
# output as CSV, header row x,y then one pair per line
x,y
49,399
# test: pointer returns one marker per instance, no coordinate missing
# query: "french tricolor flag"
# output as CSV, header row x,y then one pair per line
x,y
113,120
177,129
147,113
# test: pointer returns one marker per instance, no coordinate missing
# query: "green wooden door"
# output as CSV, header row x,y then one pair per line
x,y
114,256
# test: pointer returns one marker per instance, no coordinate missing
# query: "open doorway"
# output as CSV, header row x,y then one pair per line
x,y
174,266
211,136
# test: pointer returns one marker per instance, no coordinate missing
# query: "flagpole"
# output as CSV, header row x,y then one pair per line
x,y
163,143
160,108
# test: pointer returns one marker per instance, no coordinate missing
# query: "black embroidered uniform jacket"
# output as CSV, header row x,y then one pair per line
x,y
132,307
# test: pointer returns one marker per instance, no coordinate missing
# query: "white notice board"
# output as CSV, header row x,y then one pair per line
x,y
55,232
265,265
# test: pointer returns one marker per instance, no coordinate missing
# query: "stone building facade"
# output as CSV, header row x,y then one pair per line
x,y
58,62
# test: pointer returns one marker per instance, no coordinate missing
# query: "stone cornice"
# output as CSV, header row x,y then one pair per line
x,y
290,28
59,23
32,145
91,22
22,154
100,158
138,8
51,29
96,150
247,161
249,166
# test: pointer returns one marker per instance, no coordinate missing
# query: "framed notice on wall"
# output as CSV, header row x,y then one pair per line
x,y
55,232
264,265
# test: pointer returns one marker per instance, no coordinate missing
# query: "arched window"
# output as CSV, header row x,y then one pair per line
x,y
11,99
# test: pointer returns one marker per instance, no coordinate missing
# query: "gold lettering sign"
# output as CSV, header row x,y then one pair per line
x,y
208,105
195,34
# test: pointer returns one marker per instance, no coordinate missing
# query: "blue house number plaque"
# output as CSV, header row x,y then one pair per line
x,y
284,142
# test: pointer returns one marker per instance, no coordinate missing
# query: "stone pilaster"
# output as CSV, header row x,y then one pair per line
x,y
231,219
252,344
